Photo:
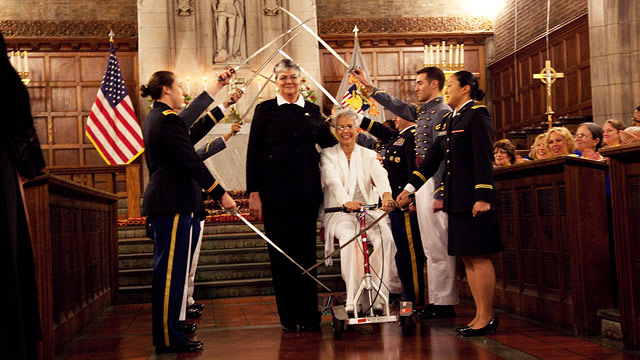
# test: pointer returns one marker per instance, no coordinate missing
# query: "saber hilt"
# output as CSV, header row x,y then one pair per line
x,y
220,79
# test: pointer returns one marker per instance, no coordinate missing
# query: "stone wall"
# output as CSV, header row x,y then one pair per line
x,y
68,10
532,21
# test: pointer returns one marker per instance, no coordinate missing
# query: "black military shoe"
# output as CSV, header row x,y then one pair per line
x,y
187,328
437,312
187,346
196,306
193,314
310,328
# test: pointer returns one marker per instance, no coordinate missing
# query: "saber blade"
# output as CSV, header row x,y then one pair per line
x,y
244,87
257,96
300,23
326,46
263,236
347,243
324,91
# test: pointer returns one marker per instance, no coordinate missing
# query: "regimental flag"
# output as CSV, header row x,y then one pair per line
x,y
350,90
112,125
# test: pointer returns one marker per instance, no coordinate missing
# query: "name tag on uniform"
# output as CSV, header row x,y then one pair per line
x,y
457,131
399,142
442,133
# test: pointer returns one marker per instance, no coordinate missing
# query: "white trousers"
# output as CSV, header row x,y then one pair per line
x,y
441,268
191,272
352,259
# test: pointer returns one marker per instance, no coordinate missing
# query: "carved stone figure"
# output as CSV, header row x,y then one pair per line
x,y
228,19
271,7
185,7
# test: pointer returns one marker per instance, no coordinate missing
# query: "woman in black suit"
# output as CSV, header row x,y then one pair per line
x,y
283,180
464,141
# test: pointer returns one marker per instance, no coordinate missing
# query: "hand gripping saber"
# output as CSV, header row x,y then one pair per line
x,y
345,244
300,23
236,213
324,43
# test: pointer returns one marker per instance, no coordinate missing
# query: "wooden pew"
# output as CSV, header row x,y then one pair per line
x,y
553,221
74,238
625,198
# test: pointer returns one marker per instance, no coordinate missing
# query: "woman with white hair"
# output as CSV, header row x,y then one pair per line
x,y
349,172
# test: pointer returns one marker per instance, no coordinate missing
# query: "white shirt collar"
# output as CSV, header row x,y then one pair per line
x,y
408,128
282,101
456,111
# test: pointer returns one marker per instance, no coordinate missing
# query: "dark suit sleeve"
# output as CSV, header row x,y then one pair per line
x,y
378,130
181,152
325,137
255,149
482,143
203,125
211,148
429,166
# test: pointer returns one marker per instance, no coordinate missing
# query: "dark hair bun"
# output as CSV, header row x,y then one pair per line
x,y
144,90
479,95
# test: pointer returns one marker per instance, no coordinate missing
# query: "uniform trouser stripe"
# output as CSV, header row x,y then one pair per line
x,y
414,265
167,286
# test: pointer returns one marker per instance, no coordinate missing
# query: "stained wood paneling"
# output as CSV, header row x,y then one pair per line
x,y
522,103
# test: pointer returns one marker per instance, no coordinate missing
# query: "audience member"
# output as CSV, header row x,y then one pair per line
x,y
560,141
540,149
588,140
504,153
630,135
611,130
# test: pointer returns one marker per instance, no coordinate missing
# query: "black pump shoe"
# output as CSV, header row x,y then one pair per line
x,y
490,328
461,329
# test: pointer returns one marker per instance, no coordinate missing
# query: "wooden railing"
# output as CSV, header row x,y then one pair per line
x,y
74,238
121,180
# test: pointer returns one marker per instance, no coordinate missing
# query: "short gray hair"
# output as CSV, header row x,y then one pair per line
x,y
284,65
348,113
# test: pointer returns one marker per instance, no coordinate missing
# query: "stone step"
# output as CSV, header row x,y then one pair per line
x,y
224,288
209,242
216,272
138,231
610,323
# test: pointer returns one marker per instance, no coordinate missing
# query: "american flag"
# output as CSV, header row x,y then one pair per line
x,y
112,125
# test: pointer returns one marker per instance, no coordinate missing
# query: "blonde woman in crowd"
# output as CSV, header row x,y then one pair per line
x,y
560,141
611,132
539,149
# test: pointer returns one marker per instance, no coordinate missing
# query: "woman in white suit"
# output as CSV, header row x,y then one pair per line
x,y
353,176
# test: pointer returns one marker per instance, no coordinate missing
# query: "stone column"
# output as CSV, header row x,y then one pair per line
x,y
614,42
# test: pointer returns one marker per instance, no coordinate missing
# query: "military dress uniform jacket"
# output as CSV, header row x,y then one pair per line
x,y
282,159
465,143
426,116
400,156
176,174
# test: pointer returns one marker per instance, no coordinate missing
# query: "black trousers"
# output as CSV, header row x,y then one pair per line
x,y
294,231
409,256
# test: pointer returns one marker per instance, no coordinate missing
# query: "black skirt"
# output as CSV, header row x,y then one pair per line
x,y
472,236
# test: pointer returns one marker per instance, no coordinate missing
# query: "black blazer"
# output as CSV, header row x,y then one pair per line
x,y
176,174
282,159
465,143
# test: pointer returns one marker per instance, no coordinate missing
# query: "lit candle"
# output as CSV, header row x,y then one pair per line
x,y
11,60
437,62
26,63
430,55
426,56
188,86
19,63
444,54
259,84
204,80
457,60
451,56
462,56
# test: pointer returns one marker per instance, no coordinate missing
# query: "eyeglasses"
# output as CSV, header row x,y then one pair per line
x,y
343,127
580,136
496,152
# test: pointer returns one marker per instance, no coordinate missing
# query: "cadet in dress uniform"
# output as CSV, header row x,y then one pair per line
x,y
174,193
283,181
464,141
441,268
400,162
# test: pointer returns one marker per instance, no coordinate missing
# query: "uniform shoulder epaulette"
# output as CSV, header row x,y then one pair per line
x,y
413,131
447,114
167,112
478,106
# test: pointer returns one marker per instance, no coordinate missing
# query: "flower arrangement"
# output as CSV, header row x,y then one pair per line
x,y
306,92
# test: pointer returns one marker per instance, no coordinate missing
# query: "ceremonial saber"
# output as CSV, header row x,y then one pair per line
x,y
306,27
268,60
324,91
277,248
300,23
345,244
257,96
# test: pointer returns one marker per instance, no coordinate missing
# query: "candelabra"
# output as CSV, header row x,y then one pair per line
x,y
20,62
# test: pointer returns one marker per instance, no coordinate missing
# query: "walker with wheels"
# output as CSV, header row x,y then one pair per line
x,y
368,293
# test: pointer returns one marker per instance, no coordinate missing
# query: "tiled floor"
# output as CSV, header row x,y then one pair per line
x,y
248,328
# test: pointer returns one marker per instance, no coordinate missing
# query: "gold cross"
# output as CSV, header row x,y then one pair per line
x,y
548,76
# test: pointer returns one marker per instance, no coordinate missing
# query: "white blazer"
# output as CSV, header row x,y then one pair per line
x,y
335,171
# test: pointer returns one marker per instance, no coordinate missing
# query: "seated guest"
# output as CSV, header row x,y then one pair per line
x,y
611,130
588,140
560,141
349,172
539,149
504,153
630,135
635,119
